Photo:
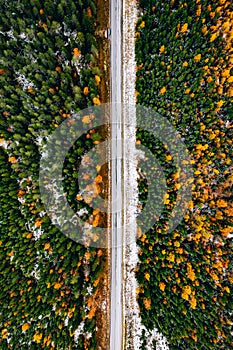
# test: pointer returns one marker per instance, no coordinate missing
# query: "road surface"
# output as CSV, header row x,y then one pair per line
x,y
116,317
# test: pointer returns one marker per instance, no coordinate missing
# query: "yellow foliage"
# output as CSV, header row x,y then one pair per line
x,y
166,198
163,90
20,193
96,282
230,92
88,199
226,73
100,252
76,52
197,58
186,291
190,272
142,25
86,119
38,222
193,302
226,231
162,286
87,255
96,101
171,257
98,179
92,313
169,157
47,340
162,49
47,246
220,103
4,333
12,160
57,285
221,203
31,90
213,37
97,79
184,28
204,30
25,327
147,303
37,337
198,12
86,90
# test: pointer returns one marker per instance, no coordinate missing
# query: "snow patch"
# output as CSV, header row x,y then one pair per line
x,y
5,144
133,323
23,81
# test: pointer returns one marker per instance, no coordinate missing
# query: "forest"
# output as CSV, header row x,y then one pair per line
x,y
48,68
184,73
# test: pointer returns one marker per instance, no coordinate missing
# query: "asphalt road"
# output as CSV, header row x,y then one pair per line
x,y
116,319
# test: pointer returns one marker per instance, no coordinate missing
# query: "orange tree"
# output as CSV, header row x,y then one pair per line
x,y
184,72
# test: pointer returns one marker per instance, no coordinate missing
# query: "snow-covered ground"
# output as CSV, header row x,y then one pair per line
x,y
133,324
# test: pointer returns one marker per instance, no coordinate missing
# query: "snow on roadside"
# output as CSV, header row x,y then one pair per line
x,y
134,328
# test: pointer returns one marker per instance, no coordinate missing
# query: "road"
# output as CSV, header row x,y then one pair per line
x,y
116,289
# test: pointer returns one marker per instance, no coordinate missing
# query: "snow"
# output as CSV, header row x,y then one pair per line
x,y
134,326
80,329
4,143
23,81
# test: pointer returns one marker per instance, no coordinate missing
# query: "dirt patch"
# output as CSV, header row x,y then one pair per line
x,y
101,300
102,295
102,24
